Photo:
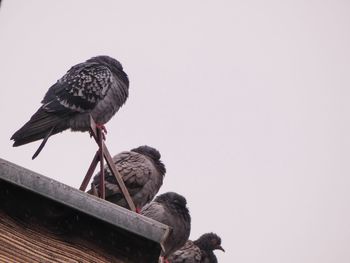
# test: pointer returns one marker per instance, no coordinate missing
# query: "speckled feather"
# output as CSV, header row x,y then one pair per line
x,y
82,87
189,253
142,174
97,87
170,209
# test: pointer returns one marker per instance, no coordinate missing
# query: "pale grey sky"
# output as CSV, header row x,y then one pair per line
x,y
248,102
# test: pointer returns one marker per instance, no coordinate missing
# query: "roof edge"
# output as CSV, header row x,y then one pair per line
x,y
83,202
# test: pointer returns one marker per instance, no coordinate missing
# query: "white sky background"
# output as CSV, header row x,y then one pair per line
x,y
247,101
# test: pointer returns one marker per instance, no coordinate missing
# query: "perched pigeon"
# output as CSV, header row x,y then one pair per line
x,y
142,172
199,251
97,87
170,209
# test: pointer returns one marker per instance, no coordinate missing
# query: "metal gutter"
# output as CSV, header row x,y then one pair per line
x,y
88,204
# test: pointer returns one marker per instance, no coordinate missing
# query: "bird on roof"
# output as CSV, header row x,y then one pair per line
x,y
170,209
97,87
142,172
198,251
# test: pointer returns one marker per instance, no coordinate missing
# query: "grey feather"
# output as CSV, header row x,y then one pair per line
x,y
198,251
142,173
170,209
189,253
97,87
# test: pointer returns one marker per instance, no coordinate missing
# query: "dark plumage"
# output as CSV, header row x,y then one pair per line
x,y
199,251
142,172
170,209
189,253
97,87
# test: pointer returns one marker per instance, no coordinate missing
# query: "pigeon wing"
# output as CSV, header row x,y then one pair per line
x,y
189,253
79,90
137,173
157,212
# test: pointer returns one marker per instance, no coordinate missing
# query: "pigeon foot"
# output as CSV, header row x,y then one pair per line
x,y
163,260
103,130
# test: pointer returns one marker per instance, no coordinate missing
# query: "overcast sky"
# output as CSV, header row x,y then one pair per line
x,y
247,101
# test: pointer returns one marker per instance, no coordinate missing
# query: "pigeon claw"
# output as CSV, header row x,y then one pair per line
x,y
103,130
163,260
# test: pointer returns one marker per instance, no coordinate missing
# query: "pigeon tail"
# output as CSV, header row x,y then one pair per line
x,y
40,126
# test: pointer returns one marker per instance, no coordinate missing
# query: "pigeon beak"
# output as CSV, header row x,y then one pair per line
x,y
221,248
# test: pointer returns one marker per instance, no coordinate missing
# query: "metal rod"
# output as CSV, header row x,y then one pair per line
x,y
117,176
103,152
102,170
90,171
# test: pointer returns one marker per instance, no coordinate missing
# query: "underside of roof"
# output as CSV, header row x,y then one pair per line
x,y
77,217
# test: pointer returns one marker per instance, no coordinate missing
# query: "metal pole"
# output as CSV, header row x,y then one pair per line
x,y
102,170
89,172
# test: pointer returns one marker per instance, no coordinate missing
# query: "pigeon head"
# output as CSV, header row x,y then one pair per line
x,y
209,242
107,61
173,200
153,154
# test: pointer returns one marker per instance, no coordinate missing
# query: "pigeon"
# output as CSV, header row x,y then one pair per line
x,y
97,87
142,172
198,251
170,209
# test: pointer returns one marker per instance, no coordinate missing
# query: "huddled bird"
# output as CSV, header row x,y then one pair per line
x,y
198,251
97,87
170,209
142,172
